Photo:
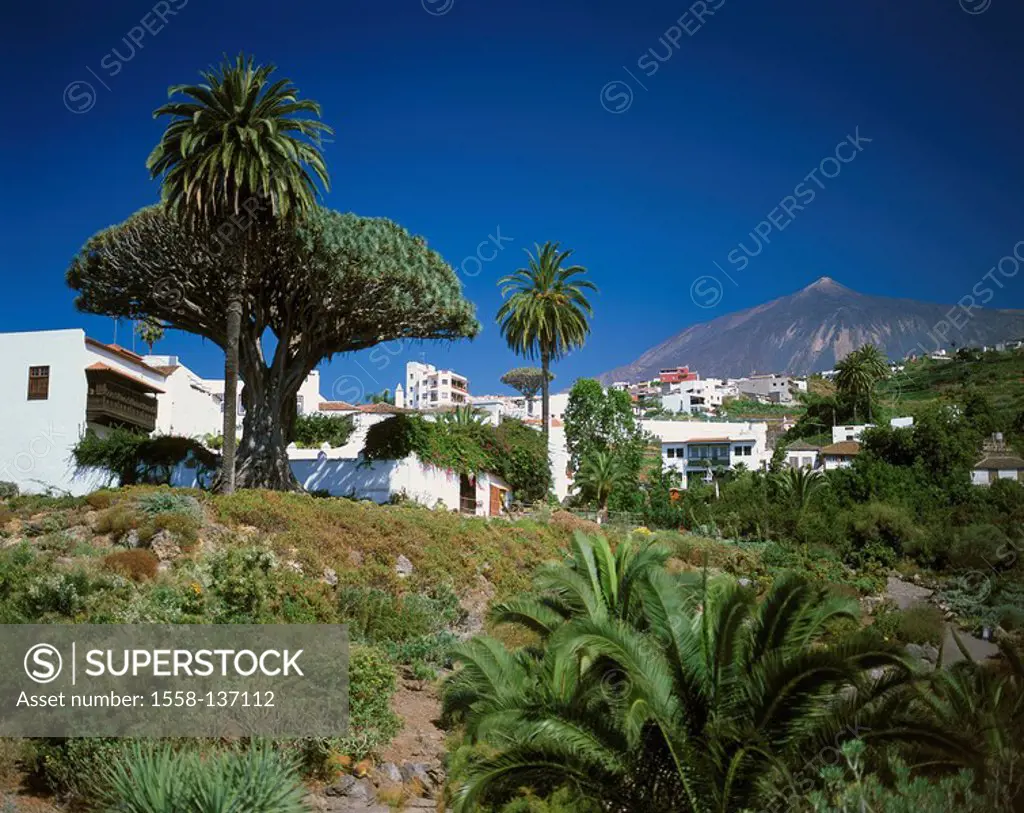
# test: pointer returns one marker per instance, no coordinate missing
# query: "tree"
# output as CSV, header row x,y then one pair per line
x,y
545,312
799,486
858,374
527,381
600,474
233,160
675,702
330,283
385,396
600,421
150,331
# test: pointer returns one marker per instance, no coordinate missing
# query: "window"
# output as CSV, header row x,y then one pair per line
x,y
299,404
671,452
38,383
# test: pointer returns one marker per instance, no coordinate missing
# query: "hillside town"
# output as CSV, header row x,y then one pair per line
x,y
76,384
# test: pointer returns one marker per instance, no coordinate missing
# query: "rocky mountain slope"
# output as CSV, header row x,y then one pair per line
x,y
812,329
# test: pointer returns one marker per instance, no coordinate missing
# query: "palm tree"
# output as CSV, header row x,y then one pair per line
x,y
233,159
545,313
150,331
800,485
699,708
859,372
599,475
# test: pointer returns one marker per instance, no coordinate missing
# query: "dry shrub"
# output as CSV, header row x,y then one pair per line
x,y
118,520
137,564
100,499
5,516
567,521
183,527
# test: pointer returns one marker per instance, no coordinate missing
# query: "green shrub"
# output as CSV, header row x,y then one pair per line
x,y
170,502
876,532
371,685
978,547
312,431
133,458
184,527
71,768
8,490
921,624
157,779
377,616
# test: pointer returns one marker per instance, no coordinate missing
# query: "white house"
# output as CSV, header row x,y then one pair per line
x,y
60,383
997,463
839,455
852,432
188,406
776,389
426,387
803,455
690,447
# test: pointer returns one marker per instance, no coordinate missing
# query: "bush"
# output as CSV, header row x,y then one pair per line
x,y
978,547
170,502
118,520
136,458
137,564
156,779
921,624
312,431
5,516
877,532
184,527
8,490
371,685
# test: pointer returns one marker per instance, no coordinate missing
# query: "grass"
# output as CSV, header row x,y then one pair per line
x,y
997,376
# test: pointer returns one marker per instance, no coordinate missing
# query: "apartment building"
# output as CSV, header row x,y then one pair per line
x,y
694,447
426,387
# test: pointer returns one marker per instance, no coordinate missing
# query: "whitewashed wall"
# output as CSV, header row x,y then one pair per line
x,y
36,437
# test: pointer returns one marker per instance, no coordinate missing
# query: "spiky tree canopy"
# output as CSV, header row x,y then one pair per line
x,y
527,381
237,138
335,283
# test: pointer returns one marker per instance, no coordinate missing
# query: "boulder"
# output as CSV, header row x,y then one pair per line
x,y
330,576
403,567
164,546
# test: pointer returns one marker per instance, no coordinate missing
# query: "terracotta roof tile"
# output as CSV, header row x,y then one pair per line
x,y
100,367
847,448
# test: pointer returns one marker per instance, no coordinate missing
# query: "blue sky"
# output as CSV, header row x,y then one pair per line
x,y
460,118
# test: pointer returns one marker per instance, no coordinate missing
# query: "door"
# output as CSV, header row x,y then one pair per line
x,y
496,501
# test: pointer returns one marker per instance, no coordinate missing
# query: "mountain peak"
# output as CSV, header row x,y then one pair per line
x,y
823,284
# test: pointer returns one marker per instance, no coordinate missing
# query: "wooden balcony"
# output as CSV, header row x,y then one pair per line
x,y
113,403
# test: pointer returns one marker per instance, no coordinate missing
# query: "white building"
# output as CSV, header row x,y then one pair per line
x,y
773,388
426,387
189,406
997,463
803,455
690,447
58,384
852,432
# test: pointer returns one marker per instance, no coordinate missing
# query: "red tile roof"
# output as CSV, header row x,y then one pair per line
x,y
337,406
121,352
845,448
99,367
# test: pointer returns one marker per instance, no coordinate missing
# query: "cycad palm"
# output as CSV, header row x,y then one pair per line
x,y
693,709
799,486
545,313
236,156
599,475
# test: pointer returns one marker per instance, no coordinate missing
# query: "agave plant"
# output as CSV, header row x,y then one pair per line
x,y
668,704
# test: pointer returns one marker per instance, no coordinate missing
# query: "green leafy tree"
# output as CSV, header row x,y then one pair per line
x,y
235,156
330,283
311,431
527,381
598,421
545,313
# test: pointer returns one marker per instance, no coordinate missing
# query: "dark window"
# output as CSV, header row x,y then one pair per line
x,y
38,383
671,453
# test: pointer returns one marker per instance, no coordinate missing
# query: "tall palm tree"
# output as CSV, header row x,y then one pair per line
x,y
706,708
859,372
599,475
235,157
545,313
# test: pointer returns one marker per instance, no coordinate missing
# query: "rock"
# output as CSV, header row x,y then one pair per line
x,y
390,772
330,576
131,539
930,653
915,651
744,582
415,770
342,787
163,567
164,546
348,787
403,567
355,557
294,566
420,803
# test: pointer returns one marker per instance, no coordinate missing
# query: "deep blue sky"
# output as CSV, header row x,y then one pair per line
x,y
489,116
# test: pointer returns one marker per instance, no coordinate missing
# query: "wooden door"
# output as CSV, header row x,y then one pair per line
x,y
496,501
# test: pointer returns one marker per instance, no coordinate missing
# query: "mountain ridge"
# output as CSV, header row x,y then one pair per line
x,y
811,329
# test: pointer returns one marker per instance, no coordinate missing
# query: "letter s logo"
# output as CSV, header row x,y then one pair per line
x,y
43,663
